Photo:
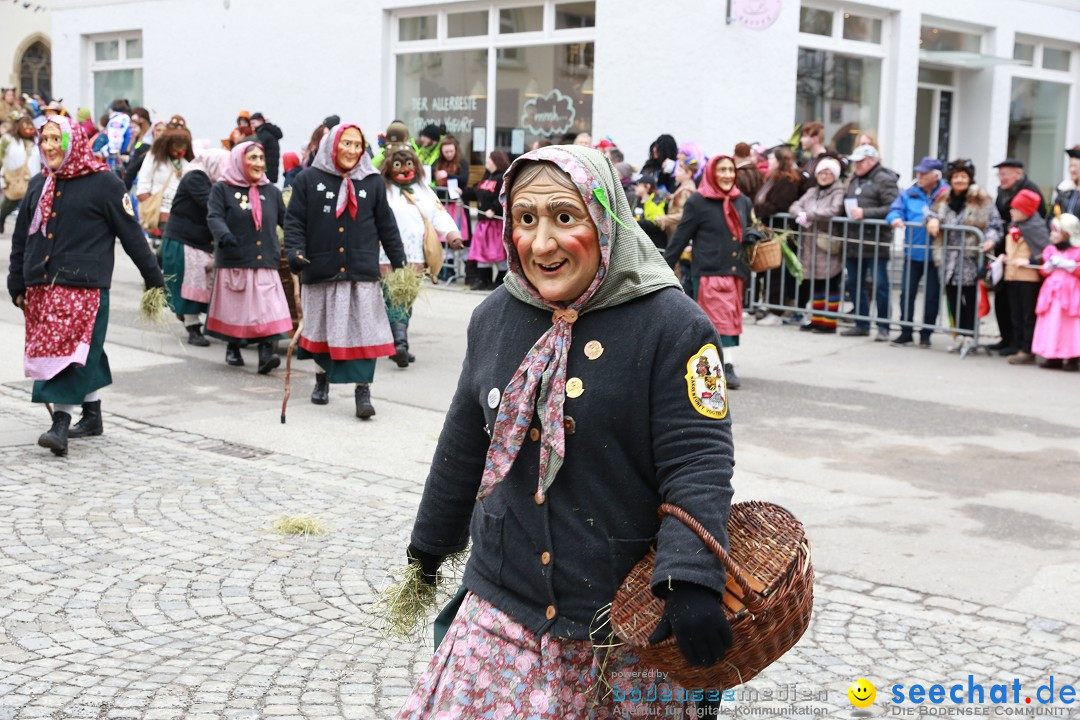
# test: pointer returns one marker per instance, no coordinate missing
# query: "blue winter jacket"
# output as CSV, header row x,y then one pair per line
x,y
912,206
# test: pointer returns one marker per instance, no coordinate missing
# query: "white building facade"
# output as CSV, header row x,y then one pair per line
x,y
25,46
978,79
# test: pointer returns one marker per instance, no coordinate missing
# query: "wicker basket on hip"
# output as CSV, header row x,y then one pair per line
x,y
768,597
765,255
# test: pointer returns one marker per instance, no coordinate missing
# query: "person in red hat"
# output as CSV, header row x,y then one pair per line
x,y
1024,244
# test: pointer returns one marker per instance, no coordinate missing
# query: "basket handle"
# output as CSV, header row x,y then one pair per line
x,y
751,597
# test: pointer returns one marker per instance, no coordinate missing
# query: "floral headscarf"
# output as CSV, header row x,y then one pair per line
x,y
236,174
78,160
326,160
211,161
630,266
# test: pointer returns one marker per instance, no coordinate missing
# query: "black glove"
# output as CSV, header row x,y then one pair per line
x,y
158,282
429,564
229,240
753,236
695,615
298,263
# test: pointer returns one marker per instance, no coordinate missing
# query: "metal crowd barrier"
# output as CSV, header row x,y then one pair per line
x,y
884,258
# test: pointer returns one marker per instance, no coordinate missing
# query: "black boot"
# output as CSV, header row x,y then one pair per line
x,y
268,359
500,277
733,382
233,356
364,408
401,344
56,439
321,394
195,336
89,424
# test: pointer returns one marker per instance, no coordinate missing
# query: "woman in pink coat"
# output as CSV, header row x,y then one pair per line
x,y
1057,325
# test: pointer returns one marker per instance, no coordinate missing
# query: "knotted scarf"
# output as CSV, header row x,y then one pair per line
x,y
78,160
235,174
711,190
326,159
630,266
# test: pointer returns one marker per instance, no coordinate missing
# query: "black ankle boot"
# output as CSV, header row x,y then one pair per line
x,y
268,359
733,382
233,356
195,336
401,344
321,394
364,408
89,424
56,439
500,277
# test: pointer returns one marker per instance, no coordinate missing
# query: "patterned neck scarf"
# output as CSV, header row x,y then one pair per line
x,y
710,189
630,266
78,161
326,159
235,174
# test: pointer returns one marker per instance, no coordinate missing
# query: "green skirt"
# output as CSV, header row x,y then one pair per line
x,y
340,371
72,384
172,262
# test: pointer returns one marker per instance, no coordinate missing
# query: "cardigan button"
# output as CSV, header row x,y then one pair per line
x,y
569,425
53,215
50,236
341,249
258,242
534,434
545,558
58,193
734,253
550,614
46,258
258,257
341,269
341,229
539,498
733,267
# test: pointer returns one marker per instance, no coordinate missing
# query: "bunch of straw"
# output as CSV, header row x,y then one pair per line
x,y
401,610
403,287
154,306
300,525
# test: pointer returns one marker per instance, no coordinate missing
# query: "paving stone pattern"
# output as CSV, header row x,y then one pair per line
x,y
139,578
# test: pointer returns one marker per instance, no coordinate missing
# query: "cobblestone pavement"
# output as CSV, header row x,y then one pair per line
x,y
139,578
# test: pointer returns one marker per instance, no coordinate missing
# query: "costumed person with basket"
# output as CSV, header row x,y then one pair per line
x,y
421,220
338,218
716,219
62,256
592,392
248,301
20,162
187,245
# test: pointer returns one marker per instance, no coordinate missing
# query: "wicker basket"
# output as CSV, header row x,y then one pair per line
x,y
768,598
765,255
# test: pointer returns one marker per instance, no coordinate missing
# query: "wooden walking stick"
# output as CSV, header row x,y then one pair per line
x,y
292,343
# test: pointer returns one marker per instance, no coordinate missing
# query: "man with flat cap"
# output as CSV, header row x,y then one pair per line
x,y
1011,180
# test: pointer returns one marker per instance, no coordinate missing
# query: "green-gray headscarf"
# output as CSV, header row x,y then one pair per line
x,y
630,266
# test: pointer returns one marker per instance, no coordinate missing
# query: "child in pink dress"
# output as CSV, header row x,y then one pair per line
x,y
1057,325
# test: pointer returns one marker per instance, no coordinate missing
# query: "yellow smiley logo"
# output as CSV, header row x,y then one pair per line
x,y
861,693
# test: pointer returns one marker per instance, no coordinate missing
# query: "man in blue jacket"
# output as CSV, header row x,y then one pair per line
x,y
910,208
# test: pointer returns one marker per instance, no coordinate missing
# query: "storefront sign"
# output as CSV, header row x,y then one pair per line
x,y
459,113
548,115
755,14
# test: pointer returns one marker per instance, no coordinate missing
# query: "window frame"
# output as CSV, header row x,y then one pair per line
x,y
93,65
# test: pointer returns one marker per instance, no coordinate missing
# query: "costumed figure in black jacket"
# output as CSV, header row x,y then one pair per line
x,y
62,256
248,302
581,407
187,245
338,218
716,218
417,211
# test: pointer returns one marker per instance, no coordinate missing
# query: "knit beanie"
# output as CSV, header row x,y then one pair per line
x,y
431,131
1027,202
828,163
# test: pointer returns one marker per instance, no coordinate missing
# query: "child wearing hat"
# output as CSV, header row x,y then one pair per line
x,y
1057,327
1024,245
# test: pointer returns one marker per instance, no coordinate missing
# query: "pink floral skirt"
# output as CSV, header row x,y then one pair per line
x,y
489,666
59,325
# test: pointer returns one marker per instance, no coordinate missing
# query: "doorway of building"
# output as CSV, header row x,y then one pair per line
x,y
934,113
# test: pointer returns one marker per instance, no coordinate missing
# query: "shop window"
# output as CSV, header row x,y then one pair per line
x,y
422,27
518,20
815,21
575,15
1037,116
1055,59
1025,52
862,29
933,38
548,97
935,76
467,24
840,91
117,69
443,88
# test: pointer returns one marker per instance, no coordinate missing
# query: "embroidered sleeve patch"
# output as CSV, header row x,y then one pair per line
x,y
705,382
127,205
